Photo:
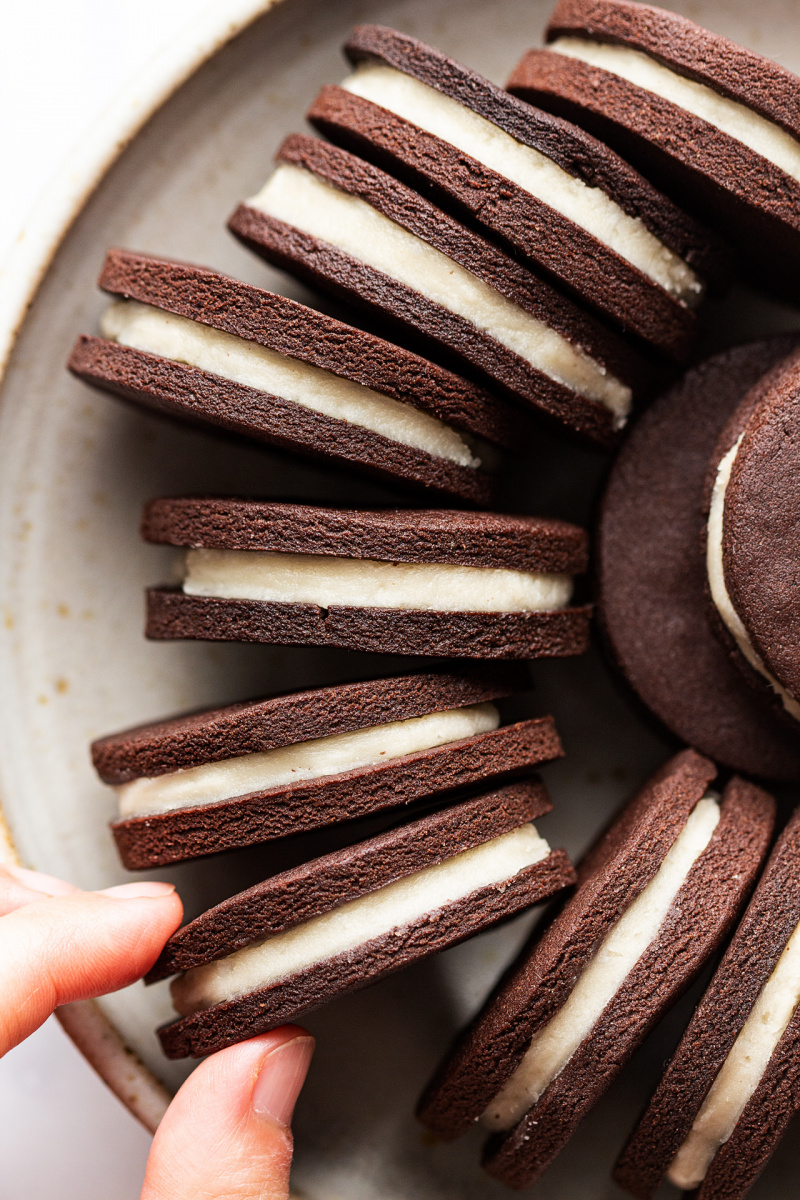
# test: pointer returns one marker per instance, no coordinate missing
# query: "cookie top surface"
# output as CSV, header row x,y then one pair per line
x,y
252,727
761,525
652,576
294,330
679,43
324,883
388,535
574,150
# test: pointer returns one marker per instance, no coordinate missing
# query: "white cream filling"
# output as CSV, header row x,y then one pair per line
x,y
394,906
301,761
759,134
742,1070
157,332
364,583
301,199
716,581
622,947
590,207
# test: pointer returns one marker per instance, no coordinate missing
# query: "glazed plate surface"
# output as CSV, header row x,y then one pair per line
x,y
75,468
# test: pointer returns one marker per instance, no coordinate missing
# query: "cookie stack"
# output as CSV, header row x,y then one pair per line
x,y
506,260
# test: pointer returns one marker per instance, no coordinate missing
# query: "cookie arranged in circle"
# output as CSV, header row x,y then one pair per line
x,y
714,124
391,581
196,345
657,895
342,224
552,194
343,921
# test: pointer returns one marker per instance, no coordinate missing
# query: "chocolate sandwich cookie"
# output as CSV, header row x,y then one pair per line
x,y
733,1083
712,123
211,350
345,920
389,581
344,225
753,536
652,596
550,192
253,772
657,894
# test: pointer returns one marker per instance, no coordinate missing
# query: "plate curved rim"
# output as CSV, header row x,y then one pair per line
x,y
25,267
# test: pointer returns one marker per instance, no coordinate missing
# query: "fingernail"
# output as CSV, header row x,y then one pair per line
x,y
47,885
280,1079
148,889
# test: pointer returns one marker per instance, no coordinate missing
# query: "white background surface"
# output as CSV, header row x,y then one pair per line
x,y
62,62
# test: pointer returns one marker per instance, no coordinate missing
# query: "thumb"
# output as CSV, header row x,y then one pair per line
x,y
226,1134
58,948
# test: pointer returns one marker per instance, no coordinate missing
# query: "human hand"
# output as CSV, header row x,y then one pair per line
x,y
226,1133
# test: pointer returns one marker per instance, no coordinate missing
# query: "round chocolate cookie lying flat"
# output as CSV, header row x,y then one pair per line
x,y
554,195
712,123
753,536
657,894
344,225
196,345
733,1084
253,772
391,581
652,597
341,922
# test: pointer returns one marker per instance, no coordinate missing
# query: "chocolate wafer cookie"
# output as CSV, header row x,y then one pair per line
x,y
343,224
255,771
392,581
199,346
551,193
343,921
753,537
733,1083
657,895
653,582
713,124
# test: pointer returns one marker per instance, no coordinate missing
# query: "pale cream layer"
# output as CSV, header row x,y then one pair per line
x,y
590,207
157,332
716,581
213,782
742,1070
759,134
392,907
620,950
299,198
365,583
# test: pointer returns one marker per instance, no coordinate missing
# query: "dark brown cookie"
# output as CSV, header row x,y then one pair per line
x,y
537,231
409,309
183,833
652,574
252,727
299,333
771,918
323,885
738,190
616,872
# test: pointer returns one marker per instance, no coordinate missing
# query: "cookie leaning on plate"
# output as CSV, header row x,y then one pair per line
x,y
391,581
657,895
255,771
715,125
553,194
653,600
733,1083
753,537
343,921
199,346
342,224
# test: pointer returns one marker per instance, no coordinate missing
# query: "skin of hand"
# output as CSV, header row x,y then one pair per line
x,y
226,1134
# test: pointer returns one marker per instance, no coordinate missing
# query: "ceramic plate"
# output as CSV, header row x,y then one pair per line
x,y
75,467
